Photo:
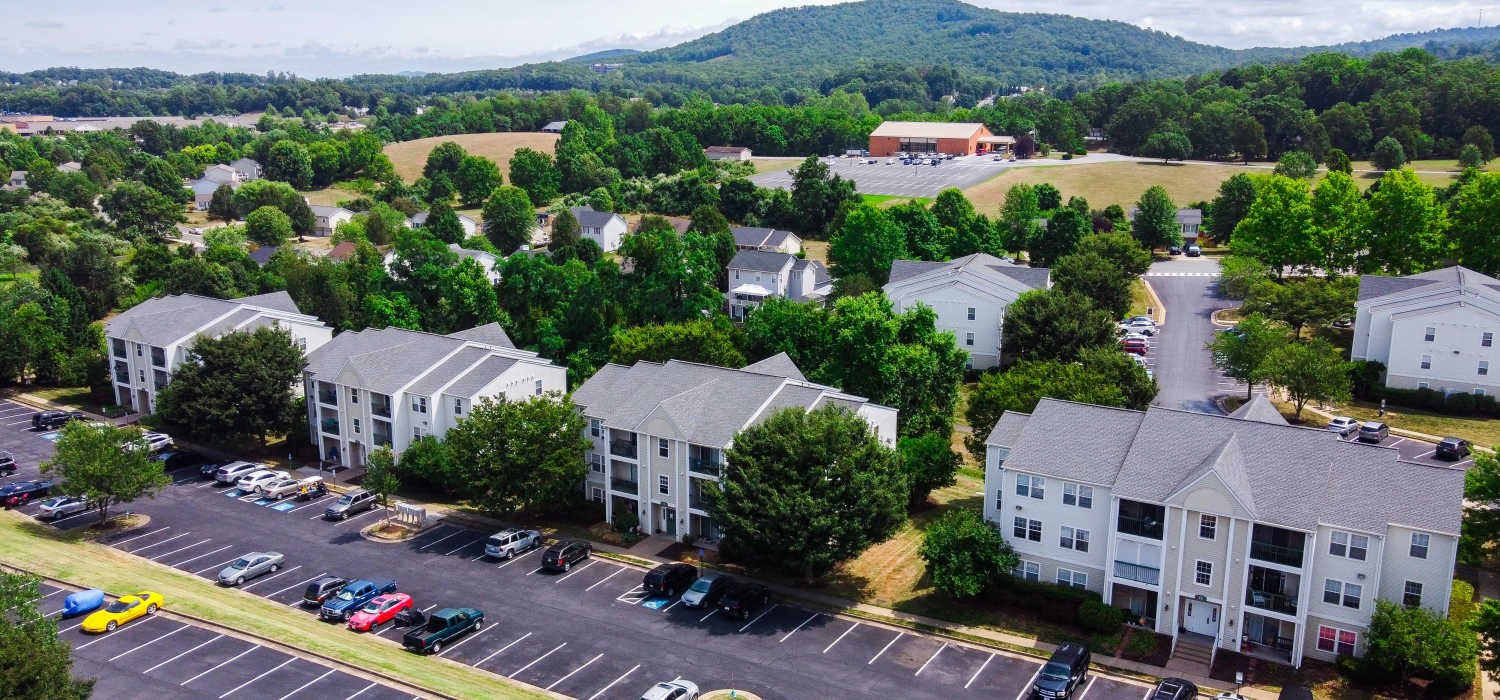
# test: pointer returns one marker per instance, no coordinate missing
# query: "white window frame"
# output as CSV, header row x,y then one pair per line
x,y
1076,539
1484,368
353,396
1344,593
663,448
1024,526
356,426
971,313
458,407
1203,572
596,494
1069,577
596,462
999,498
1426,362
969,339
1406,592
1424,546
538,387
1028,571
1429,334
1210,524
596,427
1486,339
1078,495
1036,486
664,484
419,404
1344,544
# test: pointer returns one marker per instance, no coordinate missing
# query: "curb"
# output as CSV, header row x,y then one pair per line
x,y
1160,309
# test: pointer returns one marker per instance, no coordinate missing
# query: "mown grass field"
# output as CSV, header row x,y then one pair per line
x,y
765,165
1104,184
409,156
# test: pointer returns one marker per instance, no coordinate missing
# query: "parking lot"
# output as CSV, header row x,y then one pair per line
x,y
900,180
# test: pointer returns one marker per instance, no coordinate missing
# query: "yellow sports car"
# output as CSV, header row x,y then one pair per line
x,y
123,610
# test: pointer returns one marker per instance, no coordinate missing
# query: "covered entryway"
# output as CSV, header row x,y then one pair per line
x,y
1200,617
669,521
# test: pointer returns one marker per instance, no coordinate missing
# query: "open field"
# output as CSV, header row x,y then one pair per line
x,y
763,165
1104,184
409,156
816,250
331,196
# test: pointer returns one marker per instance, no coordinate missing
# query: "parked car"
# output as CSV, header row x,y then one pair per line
x,y
563,555
253,480
743,599
1145,322
1174,689
442,627
19,493
230,473
311,487
1174,250
209,470
82,602
379,611
1452,448
672,690
48,420
510,542
1374,431
249,566
174,459
1343,425
280,488
1126,333
670,579
1345,322
356,501
1064,673
706,591
354,596
1135,346
156,442
322,588
61,506
7,464
1193,251
123,610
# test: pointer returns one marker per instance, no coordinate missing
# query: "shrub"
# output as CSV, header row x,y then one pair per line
x,y
1461,607
1095,616
1080,151
1364,377
1142,644
1053,603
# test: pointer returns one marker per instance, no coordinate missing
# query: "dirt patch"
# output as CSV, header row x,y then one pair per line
x,y
388,532
117,524
408,157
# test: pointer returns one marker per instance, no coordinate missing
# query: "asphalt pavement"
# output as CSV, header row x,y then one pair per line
x,y
1185,373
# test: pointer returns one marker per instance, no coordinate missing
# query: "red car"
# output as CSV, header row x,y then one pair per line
x,y
379,611
1135,345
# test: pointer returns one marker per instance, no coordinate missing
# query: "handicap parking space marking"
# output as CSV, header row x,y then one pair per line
x,y
655,603
265,501
633,596
614,682
50,437
235,492
284,506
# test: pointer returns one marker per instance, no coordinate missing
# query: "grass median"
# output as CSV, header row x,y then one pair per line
x,y
30,545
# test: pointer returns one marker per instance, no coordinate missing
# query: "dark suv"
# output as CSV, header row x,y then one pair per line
x,y
323,588
563,555
1452,448
1064,673
7,463
743,599
670,579
1174,689
356,501
47,420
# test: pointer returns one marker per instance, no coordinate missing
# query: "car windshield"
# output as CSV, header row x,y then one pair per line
x,y
1055,672
119,606
372,607
241,564
701,585
346,499
346,595
436,624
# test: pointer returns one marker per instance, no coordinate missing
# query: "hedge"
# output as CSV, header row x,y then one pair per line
x,y
1365,376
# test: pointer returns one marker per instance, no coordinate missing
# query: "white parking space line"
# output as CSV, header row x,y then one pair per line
x,y
1397,442
455,533
147,644
200,556
158,544
537,659
758,617
180,549
930,658
673,605
710,614
466,544
320,500
289,659
567,576
105,635
501,650
116,544
1427,454
1026,689
1088,687
288,588
219,565
614,682
71,628
346,521
304,685
221,663
509,561
534,571
360,692
465,640
606,578
216,638
70,517
576,670
1148,693
634,596
841,637
887,646
19,422
798,627
981,670
268,578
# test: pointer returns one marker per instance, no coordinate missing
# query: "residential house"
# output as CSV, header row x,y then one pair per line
x,y
757,238
555,127
657,432
148,341
388,387
1251,535
1190,220
756,275
739,153
246,169
419,219
220,174
327,218
970,296
17,179
71,166
203,192
603,227
1433,330
342,252
487,260
680,224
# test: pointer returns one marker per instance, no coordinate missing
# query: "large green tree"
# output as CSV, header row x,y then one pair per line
x,y
442,222
268,226
35,664
535,172
1118,248
105,466
1404,226
1402,642
1096,278
1476,219
519,455
1278,229
475,179
237,385
709,341
866,244
1050,324
444,158
1026,383
509,219
966,555
1311,371
1239,353
802,491
1058,238
289,162
1167,145
1155,221
1229,207
672,277
136,207
929,462
1338,215
819,196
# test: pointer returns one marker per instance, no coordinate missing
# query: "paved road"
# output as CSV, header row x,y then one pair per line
x,y
1188,380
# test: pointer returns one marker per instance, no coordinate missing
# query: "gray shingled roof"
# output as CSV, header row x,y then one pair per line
x,y
761,260
477,378
587,216
1007,430
205,186
490,333
778,365
166,319
448,370
390,358
1374,286
754,236
1259,408
262,255
904,269
980,264
820,273
1074,440
1457,277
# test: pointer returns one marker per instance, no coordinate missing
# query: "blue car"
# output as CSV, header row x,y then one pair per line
x,y
82,602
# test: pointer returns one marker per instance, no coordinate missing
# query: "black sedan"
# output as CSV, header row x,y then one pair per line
x,y
744,599
22,492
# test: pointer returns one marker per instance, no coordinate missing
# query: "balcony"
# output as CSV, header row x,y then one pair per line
x,y
704,467
625,484
160,379
328,394
122,375
1137,572
117,348
697,498
1276,545
705,460
329,422
381,433
380,405
158,357
1275,602
621,447
1141,519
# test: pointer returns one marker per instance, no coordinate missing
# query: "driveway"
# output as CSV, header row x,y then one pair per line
x,y
1188,380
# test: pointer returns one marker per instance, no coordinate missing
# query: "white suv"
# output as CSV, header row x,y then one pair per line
x,y
1343,425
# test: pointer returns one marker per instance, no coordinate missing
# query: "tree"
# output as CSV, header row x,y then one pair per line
x,y
930,463
35,664
1048,197
1338,161
1479,137
1404,226
966,555
1278,229
672,277
565,230
1481,524
221,207
105,466
519,455
1338,215
159,175
1167,145
1228,209
1020,388
443,223
709,341
1470,157
1296,164
803,491
1057,239
1118,248
1403,642
818,196
237,385
381,477
268,226
1476,218
439,189
509,219
535,172
289,162
1048,324
1308,371
446,157
1096,278
1248,137
1388,154
1155,221
1300,303
867,243
1018,216
1239,353
134,206
475,179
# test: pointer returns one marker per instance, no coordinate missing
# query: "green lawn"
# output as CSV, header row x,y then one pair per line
x,y
79,397
890,200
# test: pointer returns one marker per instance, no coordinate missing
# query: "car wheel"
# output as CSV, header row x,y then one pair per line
x,y
437,647
239,580
274,567
478,624
151,609
567,565
111,626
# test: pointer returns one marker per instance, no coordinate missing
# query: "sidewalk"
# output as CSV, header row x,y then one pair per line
x,y
42,404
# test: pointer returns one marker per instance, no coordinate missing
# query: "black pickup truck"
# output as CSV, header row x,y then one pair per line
x,y
353,597
442,627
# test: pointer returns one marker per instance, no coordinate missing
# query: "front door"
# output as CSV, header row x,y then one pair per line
x,y
669,521
1201,617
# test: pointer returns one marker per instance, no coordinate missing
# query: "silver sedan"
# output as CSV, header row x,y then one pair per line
x,y
251,565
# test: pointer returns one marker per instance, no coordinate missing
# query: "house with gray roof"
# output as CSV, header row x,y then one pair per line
x,y
17,180
603,227
1237,532
1190,220
221,174
419,219
246,169
758,238
203,192
970,296
327,218
657,432
757,275
1433,330
390,386
554,127
148,341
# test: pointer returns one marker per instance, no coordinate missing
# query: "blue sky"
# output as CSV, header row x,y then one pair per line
x,y
342,37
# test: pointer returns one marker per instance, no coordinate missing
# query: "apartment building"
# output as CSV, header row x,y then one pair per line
x,y
658,432
1231,532
390,386
148,341
970,296
1434,330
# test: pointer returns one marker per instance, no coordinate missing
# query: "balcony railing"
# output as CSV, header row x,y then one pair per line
x,y
380,405
1276,553
622,448
1137,572
1275,602
122,376
327,395
702,466
381,433
117,348
158,357
330,426
625,484
1140,526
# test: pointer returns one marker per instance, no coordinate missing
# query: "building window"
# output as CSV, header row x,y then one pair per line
x,y
661,447
596,462
143,375
594,426
538,387
1419,542
139,349
1076,540
1429,334
969,339
971,313
999,498
458,407
1203,573
354,396
1422,385
1208,527
664,485
417,433
1028,530
356,426
1484,367
1078,495
596,494
1412,596
1487,339
1029,571
1426,362
1068,577
1336,641
1337,592
419,404
1344,544
1033,486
